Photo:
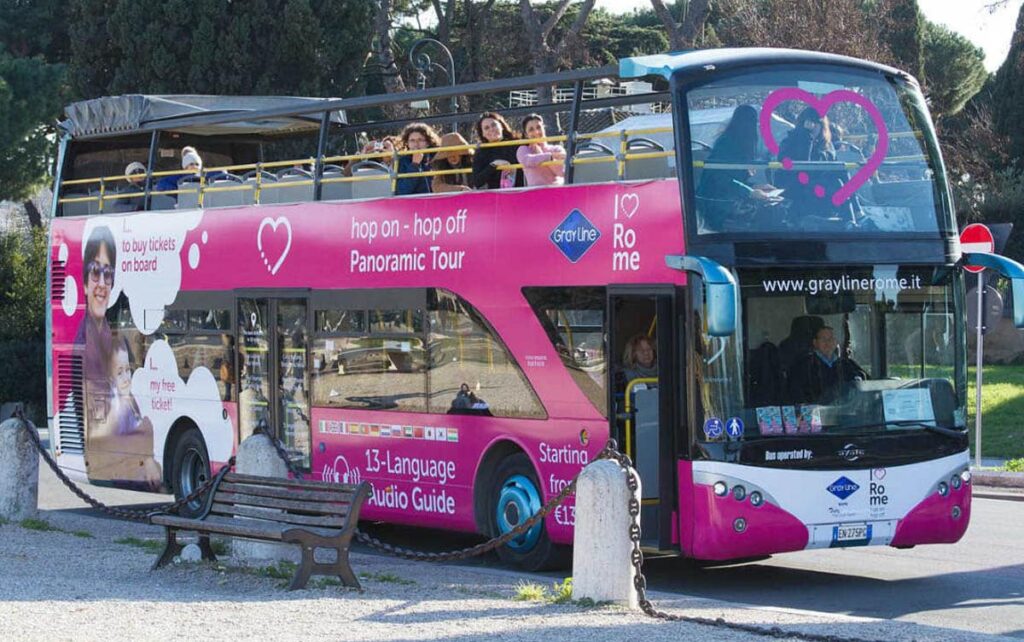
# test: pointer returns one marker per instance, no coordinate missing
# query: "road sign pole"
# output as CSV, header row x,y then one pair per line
x,y
977,379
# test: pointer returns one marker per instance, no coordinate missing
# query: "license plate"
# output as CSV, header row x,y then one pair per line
x,y
851,533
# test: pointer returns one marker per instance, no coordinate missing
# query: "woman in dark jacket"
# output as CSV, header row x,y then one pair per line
x,y
809,141
488,162
416,136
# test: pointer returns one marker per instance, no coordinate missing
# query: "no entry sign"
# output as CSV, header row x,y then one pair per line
x,y
976,238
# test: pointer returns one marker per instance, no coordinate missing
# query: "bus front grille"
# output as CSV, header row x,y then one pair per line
x,y
71,404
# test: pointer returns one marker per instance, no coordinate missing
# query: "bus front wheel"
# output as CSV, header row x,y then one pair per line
x,y
190,470
515,496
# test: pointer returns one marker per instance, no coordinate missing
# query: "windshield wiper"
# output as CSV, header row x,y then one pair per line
x,y
922,423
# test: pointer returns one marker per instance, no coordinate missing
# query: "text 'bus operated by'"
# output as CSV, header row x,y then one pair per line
x,y
746,272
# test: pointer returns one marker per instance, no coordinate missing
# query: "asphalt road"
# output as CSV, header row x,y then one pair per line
x,y
975,585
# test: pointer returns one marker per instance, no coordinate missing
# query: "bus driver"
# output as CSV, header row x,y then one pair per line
x,y
819,375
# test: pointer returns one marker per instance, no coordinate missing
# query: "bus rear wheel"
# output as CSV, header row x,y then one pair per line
x,y
515,496
190,469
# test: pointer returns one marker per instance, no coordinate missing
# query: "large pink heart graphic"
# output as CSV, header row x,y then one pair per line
x,y
822,105
274,248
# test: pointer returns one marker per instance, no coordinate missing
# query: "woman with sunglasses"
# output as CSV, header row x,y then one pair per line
x,y
98,263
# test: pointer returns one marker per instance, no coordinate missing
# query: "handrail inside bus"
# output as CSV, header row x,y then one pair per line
x,y
1008,268
629,408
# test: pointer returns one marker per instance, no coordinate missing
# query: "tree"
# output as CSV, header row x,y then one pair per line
x,y
902,30
1008,95
22,319
546,47
954,69
683,34
30,101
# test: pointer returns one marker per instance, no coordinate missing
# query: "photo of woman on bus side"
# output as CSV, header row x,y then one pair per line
x,y
534,155
488,163
416,136
452,160
726,190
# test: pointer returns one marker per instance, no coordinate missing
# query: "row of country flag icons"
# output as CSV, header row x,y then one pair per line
x,y
428,433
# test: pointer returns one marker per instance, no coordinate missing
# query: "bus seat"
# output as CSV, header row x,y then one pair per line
x,y
162,202
377,188
640,168
594,172
231,198
266,196
334,191
287,193
188,199
117,205
80,208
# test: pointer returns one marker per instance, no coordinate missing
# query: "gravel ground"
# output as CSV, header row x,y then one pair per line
x,y
60,586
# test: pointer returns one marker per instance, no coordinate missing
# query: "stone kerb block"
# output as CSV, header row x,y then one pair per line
x,y
257,456
19,471
601,567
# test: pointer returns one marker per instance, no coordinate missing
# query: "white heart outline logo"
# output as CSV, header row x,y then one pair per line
x,y
273,224
634,200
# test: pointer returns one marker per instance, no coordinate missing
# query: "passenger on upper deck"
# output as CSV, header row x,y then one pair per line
x,y
135,172
416,136
489,161
191,161
533,155
819,375
723,188
451,160
809,141
639,359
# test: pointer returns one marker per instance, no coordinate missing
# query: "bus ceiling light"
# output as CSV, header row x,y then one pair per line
x,y
955,482
739,493
720,488
739,525
943,488
756,499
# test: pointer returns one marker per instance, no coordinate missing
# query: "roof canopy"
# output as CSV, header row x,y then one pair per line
x,y
136,112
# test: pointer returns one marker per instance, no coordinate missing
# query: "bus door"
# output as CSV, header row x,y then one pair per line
x,y
645,397
273,353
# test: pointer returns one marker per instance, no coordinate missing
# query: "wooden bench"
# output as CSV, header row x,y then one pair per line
x,y
311,514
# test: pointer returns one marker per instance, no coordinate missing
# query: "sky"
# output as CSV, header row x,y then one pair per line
x,y
992,31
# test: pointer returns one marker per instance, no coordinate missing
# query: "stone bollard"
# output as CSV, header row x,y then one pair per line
x,y
19,471
257,456
601,566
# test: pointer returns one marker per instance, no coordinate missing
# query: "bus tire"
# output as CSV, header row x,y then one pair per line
x,y
514,496
190,468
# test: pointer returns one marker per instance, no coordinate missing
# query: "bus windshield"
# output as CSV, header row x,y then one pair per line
x,y
848,351
806,150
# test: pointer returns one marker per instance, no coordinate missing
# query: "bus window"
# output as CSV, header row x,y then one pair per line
x,y
465,350
816,151
575,321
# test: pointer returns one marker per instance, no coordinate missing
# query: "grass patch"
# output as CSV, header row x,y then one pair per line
x,y
220,547
1002,406
35,524
82,534
387,578
561,593
281,571
151,545
530,592
1015,465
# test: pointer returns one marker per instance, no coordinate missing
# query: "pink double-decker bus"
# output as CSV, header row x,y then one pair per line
x,y
745,270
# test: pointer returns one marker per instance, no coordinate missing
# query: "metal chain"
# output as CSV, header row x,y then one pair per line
x,y
119,513
610,452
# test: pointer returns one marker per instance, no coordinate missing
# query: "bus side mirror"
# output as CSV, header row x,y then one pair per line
x,y
1008,268
719,288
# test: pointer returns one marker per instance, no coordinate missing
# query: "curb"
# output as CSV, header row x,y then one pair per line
x,y
997,479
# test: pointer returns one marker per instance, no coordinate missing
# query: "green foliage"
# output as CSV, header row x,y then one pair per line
x,y
530,592
1002,406
274,47
903,32
1004,203
387,578
283,570
82,534
30,99
561,592
1015,465
1008,95
151,545
22,319
35,524
954,69
34,28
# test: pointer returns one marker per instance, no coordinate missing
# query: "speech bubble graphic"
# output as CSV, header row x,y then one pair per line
x,y
822,105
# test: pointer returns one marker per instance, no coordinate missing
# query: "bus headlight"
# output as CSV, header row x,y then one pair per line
x,y
739,525
955,482
720,488
756,498
739,493
966,476
957,512
943,488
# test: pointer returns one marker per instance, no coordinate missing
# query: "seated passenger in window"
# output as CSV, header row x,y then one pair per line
x,y
640,359
725,190
534,156
809,141
819,376
452,160
467,403
416,136
489,164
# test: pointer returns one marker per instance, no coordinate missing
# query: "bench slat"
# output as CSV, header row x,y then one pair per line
x,y
251,528
279,517
281,481
295,492
272,502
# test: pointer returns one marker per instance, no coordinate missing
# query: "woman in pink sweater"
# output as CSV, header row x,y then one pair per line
x,y
533,156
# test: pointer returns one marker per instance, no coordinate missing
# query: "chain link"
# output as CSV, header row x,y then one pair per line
x,y
119,513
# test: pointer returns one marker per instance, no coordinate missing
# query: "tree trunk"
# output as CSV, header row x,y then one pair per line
x,y
544,55
684,34
35,218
